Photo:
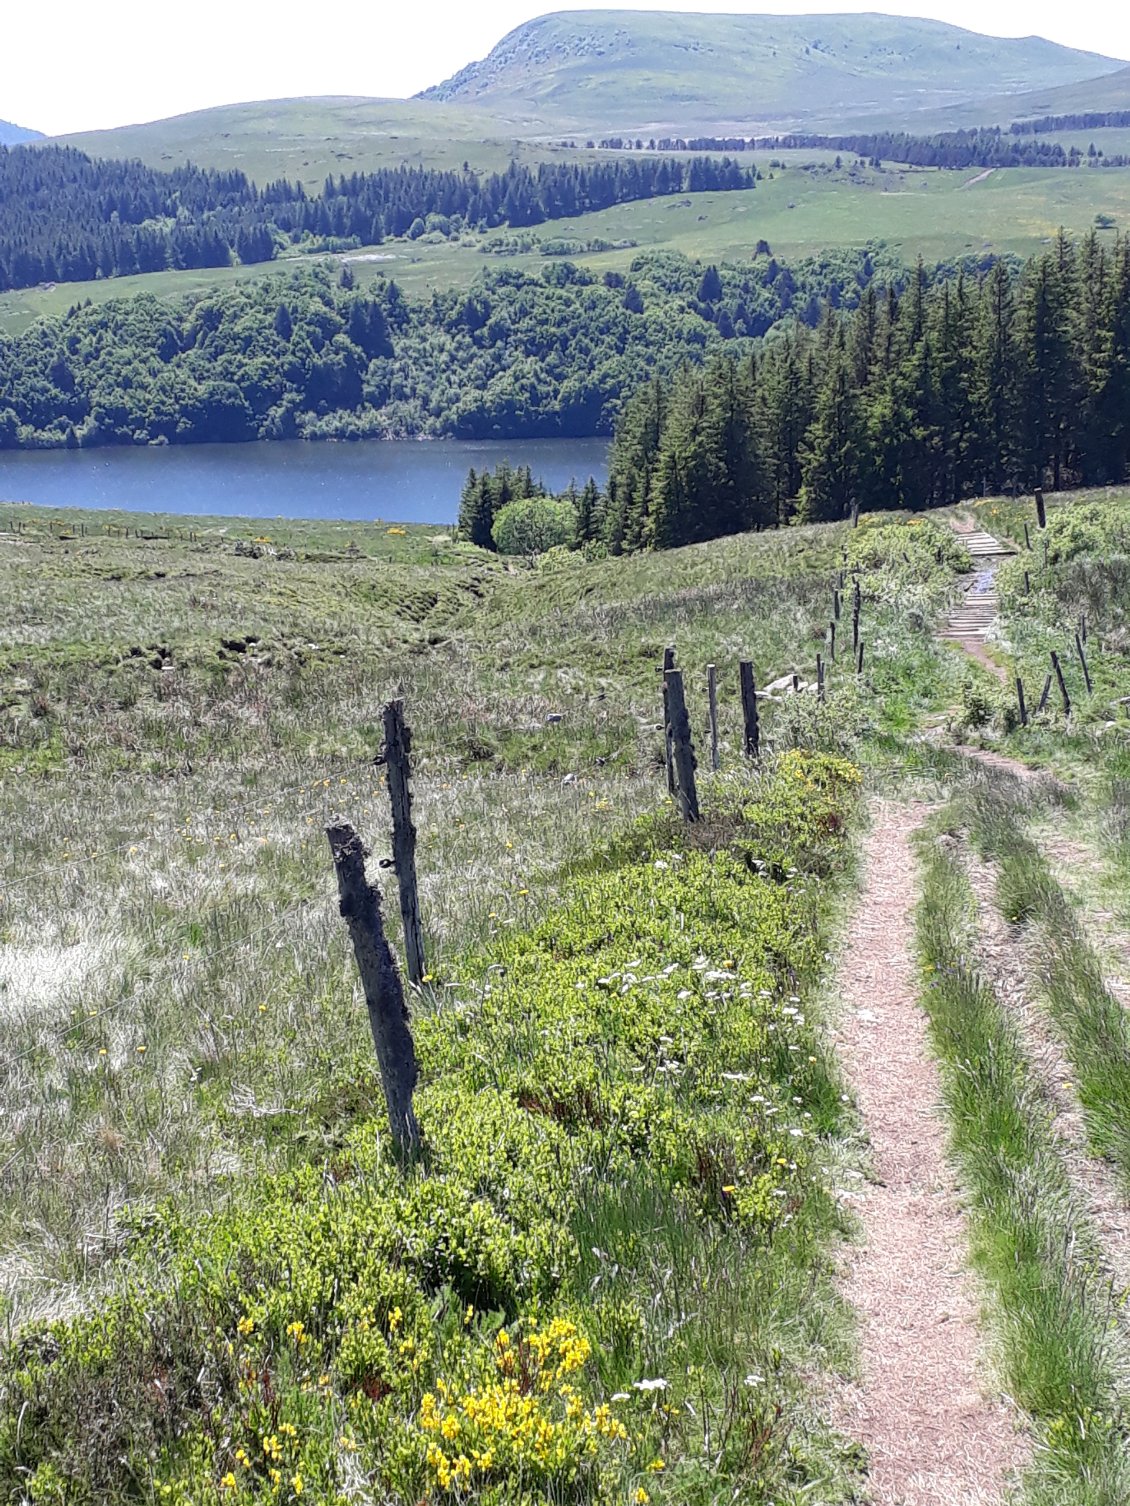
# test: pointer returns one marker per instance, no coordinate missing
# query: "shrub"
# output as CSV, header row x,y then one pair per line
x,y
533,525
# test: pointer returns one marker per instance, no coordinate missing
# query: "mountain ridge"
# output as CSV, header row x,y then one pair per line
x,y
16,135
654,68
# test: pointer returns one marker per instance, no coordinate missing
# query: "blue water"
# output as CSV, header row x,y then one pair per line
x,y
399,481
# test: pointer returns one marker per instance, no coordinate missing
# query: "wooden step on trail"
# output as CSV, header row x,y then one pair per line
x,y
970,622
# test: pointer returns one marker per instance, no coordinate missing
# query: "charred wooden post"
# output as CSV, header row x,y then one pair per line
x,y
682,749
819,677
1057,670
397,756
859,658
1020,701
752,727
1047,690
384,993
668,752
712,700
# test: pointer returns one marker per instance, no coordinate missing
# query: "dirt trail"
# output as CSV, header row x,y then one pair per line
x,y
920,1408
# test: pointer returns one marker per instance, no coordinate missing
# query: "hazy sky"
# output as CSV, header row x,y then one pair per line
x,y
73,66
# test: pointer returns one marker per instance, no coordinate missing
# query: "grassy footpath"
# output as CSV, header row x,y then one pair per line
x,y
1051,1308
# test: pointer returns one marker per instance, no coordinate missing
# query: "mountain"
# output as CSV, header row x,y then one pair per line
x,y
12,135
645,70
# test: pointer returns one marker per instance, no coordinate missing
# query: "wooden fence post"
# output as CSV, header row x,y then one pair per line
x,y
712,698
1020,701
1047,690
679,731
749,710
1083,661
836,605
1041,514
819,677
384,992
1027,540
832,642
397,753
859,658
856,604
1027,584
668,751
1058,671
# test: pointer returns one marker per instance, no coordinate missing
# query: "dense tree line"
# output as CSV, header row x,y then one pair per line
x,y
955,387
984,146
65,217
1087,120
309,355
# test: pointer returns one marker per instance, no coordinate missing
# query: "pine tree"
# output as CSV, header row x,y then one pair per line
x,y
833,454
994,387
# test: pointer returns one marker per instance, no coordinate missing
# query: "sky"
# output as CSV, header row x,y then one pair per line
x,y
79,65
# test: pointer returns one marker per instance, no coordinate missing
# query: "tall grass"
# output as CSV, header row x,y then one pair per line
x,y
1052,1310
1088,1018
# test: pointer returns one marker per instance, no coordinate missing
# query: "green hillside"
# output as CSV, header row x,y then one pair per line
x,y
1107,91
304,139
625,69
934,214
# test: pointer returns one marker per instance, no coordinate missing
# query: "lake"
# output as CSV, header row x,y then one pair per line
x,y
402,481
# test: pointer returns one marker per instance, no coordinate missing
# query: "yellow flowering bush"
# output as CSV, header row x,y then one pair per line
x,y
524,1418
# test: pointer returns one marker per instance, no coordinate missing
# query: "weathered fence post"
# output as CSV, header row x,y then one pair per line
x,y
1027,540
859,658
679,732
749,710
1083,661
397,754
712,699
1058,671
856,604
1020,701
832,642
855,514
1027,584
1083,626
1047,690
384,992
1041,513
819,677
668,752
836,603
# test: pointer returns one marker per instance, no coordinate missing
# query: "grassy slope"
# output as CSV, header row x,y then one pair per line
x,y
304,139
218,1056
1107,91
631,69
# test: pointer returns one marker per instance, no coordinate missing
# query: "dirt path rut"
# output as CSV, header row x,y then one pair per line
x,y
921,1408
